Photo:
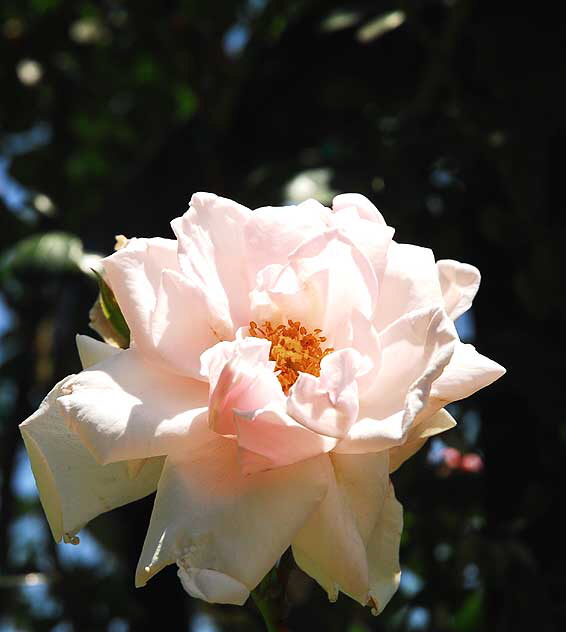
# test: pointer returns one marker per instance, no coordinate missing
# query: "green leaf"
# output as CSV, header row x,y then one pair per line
x,y
111,310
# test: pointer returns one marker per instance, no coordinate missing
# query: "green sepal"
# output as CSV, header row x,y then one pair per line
x,y
112,311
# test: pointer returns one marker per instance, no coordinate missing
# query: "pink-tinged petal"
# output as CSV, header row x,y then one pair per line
x,y
92,351
185,323
270,439
73,487
415,351
467,372
246,381
329,404
410,282
418,435
326,279
364,208
225,530
383,553
134,273
125,408
272,233
372,238
212,253
332,546
358,333
459,283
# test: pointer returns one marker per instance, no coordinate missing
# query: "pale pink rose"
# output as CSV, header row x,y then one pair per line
x,y
283,362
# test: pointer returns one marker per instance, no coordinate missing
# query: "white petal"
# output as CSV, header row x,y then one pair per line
x,y
418,435
134,274
459,283
364,208
92,351
73,487
272,233
332,545
124,408
467,372
224,530
415,351
410,282
271,439
185,323
383,552
329,404
326,279
212,253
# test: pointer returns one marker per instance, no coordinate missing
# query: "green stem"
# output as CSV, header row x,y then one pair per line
x,y
268,597
269,611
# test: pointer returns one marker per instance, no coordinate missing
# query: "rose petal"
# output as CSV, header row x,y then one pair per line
x,y
92,351
359,333
224,530
246,381
415,351
329,404
467,372
365,209
185,323
383,553
418,436
410,282
332,545
326,279
124,408
73,487
459,283
269,438
212,253
134,273
358,218
272,233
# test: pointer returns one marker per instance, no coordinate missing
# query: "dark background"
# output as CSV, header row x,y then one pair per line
x,y
448,114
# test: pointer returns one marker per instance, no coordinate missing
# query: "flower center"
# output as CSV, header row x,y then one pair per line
x,y
293,349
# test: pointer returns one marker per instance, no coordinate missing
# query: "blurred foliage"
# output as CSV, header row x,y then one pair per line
x,y
449,114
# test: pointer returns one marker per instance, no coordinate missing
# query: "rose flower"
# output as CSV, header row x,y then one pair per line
x,y
282,363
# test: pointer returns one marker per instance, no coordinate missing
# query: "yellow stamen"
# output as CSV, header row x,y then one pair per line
x,y
293,349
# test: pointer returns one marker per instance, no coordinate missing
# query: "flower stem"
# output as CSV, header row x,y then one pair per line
x,y
268,599
268,613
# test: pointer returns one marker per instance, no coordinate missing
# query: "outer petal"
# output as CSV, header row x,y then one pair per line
x,y
332,545
212,253
92,351
73,487
418,435
134,273
383,553
459,283
224,530
467,372
410,282
415,351
329,404
124,408
185,322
